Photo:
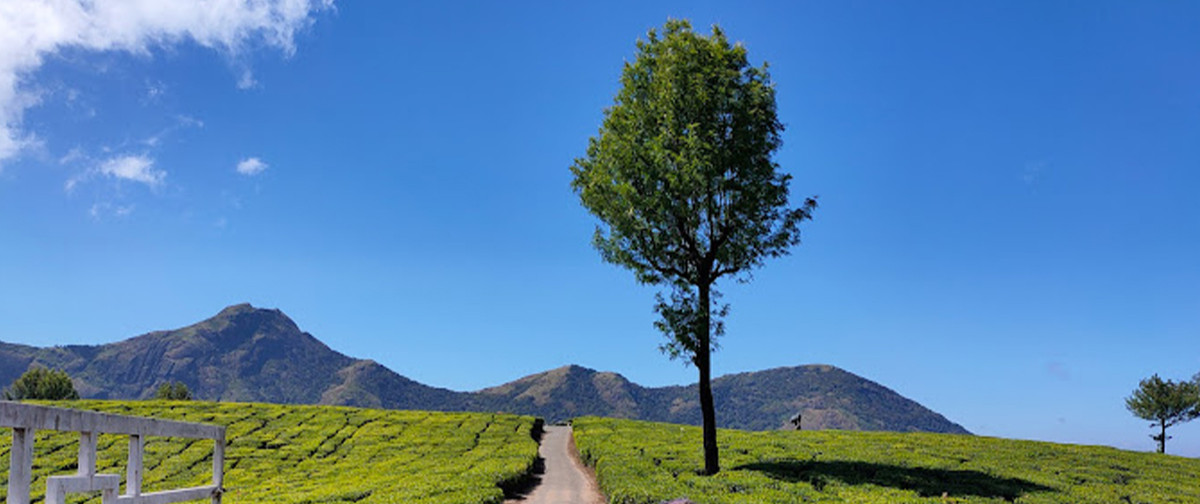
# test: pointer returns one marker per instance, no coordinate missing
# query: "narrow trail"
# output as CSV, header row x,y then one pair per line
x,y
565,480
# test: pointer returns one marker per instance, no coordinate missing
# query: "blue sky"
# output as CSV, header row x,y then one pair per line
x,y
1008,230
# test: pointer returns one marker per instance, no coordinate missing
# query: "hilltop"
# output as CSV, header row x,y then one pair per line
x,y
249,354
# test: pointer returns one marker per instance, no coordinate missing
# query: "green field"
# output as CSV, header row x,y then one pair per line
x,y
643,462
310,454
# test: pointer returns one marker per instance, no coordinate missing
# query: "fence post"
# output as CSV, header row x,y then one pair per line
x,y
54,495
20,466
133,471
218,466
87,453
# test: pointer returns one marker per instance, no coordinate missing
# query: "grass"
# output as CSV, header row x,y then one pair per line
x,y
311,454
643,462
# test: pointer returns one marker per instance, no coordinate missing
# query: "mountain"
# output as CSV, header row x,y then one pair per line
x,y
568,392
242,354
249,354
825,396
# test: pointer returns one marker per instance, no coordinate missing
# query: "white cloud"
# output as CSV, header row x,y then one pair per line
x,y
132,168
154,91
251,166
31,30
181,122
73,155
247,80
186,120
69,186
101,210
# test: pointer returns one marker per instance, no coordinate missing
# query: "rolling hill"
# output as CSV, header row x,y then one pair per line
x,y
249,354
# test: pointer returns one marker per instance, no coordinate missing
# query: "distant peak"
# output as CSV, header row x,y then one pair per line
x,y
245,313
236,309
244,308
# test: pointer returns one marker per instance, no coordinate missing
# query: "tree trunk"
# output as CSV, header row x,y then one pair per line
x,y
703,363
1162,440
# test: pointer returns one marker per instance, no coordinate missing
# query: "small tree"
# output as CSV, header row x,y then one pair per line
x,y
1166,403
681,176
173,391
41,383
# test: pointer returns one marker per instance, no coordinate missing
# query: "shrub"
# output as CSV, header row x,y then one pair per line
x,y
42,383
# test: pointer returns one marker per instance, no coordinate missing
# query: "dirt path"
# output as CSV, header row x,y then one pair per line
x,y
565,480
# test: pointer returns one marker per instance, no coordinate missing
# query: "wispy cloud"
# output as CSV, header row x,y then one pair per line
x,y
154,91
130,167
246,80
181,122
99,211
72,156
31,30
75,180
251,166
138,168
186,120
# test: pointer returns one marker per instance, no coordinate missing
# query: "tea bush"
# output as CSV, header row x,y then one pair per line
x,y
309,454
643,463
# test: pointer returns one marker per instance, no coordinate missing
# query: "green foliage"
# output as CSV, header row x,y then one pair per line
x,y
42,383
682,180
681,171
1166,403
311,454
173,391
644,463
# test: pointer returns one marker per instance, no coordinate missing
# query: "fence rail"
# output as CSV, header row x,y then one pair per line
x,y
26,419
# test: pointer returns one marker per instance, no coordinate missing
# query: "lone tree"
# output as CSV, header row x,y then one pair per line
x,y
42,383
173,391
682,180
1166,403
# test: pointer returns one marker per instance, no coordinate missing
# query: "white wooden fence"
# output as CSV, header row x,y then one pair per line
x,y
26,419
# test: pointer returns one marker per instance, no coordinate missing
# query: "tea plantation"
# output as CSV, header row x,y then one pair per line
x,y
311,454
643,462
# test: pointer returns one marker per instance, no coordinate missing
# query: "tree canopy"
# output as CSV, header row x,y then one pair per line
x,y
42,383
173,391
682,178
1166,403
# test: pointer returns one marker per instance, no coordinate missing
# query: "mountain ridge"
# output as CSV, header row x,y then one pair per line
x,y
249,354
